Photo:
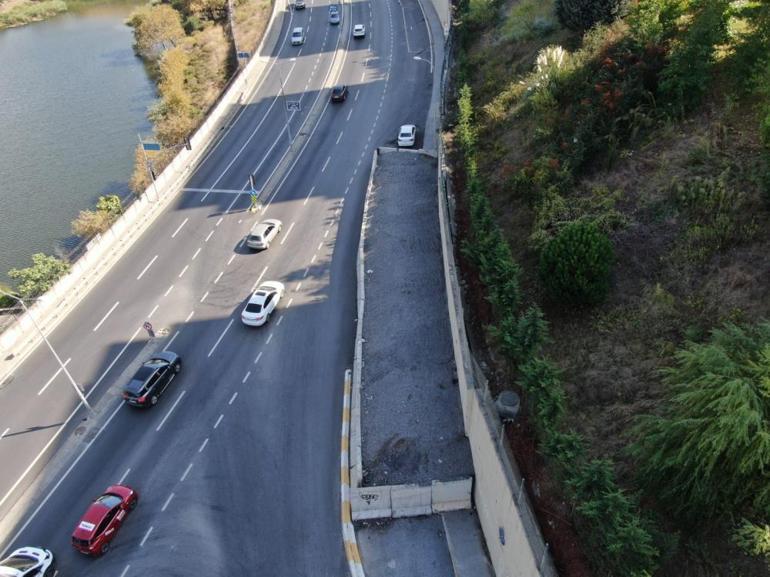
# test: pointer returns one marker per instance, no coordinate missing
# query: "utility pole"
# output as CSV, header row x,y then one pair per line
x,y
62,366
149,169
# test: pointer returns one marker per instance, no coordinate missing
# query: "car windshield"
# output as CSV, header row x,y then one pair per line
x,y
406,134
18,562
253,308
109,500
145,371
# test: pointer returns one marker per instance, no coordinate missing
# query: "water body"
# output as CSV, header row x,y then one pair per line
x,y
73,97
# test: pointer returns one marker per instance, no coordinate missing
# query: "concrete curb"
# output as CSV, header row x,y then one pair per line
x,y
386,501
20,339
348,531
356,465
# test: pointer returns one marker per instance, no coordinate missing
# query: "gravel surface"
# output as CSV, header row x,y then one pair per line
x,y
412,429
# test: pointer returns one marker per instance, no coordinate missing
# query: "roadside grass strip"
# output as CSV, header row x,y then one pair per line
x,y
348,531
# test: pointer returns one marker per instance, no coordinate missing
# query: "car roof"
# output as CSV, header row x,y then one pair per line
x,y
339,88
298,29
90,520
358,26
407,127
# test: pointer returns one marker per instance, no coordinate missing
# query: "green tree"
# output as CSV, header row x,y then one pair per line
x,y
575,265
522,337
110,204
41,276
708,452
585,14
156,28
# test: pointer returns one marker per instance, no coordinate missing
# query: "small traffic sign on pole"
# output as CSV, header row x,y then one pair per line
x,y
252,183
155,146
293,105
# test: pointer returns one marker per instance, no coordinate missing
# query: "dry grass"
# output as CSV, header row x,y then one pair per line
x,y
251,18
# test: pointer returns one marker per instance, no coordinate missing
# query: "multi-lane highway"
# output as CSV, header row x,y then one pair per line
x,y
238,465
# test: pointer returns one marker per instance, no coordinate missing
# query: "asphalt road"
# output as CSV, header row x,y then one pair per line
x,y
238,465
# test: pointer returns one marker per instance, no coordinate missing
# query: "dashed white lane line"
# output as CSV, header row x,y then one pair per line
x,y
219,276
347,189
171,410
259,356
307,270
211,352
299,286
231,259
339,137
312,260
146,536
152,312
278,323
5,432
104,318
350,181
168,290
259,279
363,75
184,222
197,252
288,304
203,298
123,574
184,270
356,96
219,420
320,246
246,376
123,478
203,444
269,338
326,233
283,240
209,236
323,168
149,264
45,386
176,334
186,472
221,218
309,194
235,396
189,316
350,113
165,505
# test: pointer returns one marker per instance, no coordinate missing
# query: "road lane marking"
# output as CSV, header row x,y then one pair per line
x,y
115,360
152,312
209,236
356,96
123,478
203,298
245,378
186,472
309,194
146,535
168,290
347,189
221,218
312,260
104,318
278,323
50,493
299,286
307,270
235,395
339,137
259,356
350,113
184,270
149,264
220,338
184,222
197,252
5,432
288,304
123,574
323,168
283,240
320,246
189,316
269,338
326,233
219,420
231,259
259,278
171,410
219,276
176,334
203,444
56,374
165,505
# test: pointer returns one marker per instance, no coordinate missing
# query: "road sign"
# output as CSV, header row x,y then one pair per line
x,y
292,105
151,145
147,326
244,55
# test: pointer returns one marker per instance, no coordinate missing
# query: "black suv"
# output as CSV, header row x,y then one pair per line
x,y
152,379
339,93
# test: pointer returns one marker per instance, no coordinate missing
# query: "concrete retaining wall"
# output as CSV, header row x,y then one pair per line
x,y
20,338
410,500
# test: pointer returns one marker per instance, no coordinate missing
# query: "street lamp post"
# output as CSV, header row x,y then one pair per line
x,y
62,366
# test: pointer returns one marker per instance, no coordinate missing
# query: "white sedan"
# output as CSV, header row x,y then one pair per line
x,y
407,135
28,561
359,31
262,304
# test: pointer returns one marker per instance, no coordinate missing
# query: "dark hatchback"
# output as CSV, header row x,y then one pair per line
x,y
152,379
339,93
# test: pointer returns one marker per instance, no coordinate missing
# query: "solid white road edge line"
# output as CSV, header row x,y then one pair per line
x,y
149,264
104,318
220,338
171,410
56,374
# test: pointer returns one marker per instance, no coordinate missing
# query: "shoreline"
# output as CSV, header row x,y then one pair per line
x,y
14,14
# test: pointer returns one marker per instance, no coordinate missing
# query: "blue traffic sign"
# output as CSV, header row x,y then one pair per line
x,y
244,55
151,145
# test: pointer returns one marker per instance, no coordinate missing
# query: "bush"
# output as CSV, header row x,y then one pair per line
x,y
39,277
521,338
541,380
585,14
111,204
706,455
753,539
575,265
89,223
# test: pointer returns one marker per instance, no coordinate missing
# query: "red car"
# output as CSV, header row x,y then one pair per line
x,y
97,528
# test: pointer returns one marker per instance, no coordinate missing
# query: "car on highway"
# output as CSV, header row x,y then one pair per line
x,y
339,93
262,304
152,379
334,14
359,31
102,520
297,36
261,234
299,4
28,562
407,134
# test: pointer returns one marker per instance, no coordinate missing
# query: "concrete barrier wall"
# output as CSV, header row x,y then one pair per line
x,y
410,500
20,338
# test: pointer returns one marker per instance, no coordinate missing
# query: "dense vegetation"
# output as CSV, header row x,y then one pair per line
x,y
613,167
18,14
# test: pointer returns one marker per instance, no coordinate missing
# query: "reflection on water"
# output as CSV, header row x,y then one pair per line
x,y
72,98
